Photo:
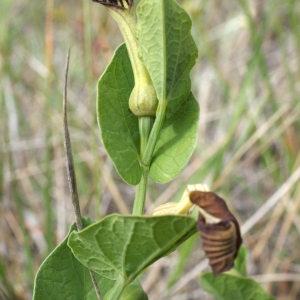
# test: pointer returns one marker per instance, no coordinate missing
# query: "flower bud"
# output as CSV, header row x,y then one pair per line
x,y
143,101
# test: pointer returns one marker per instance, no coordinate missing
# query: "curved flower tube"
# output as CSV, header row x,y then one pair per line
x,y
183,206
143,100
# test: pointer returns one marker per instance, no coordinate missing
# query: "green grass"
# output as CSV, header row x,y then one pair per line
x,y
247,83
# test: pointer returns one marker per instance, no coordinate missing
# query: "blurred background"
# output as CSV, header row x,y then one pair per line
x,y
247,82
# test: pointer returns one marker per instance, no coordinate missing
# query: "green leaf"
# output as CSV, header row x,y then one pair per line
x,y
119,126
126,245
228,287
116,292
167,49
63,277
134,291
176,142
240,263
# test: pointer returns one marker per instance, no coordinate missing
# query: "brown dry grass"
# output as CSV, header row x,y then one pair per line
x,y
247,83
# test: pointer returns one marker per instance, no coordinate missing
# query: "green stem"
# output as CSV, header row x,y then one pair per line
x,y
147,155
140,196
145,124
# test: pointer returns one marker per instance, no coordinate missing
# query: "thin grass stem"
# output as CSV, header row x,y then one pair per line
x,y
71,169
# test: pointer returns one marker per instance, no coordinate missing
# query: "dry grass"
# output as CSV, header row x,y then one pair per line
x,y
247,83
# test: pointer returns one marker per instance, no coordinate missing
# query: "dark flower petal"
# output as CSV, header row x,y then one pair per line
x,y
219,230
116,3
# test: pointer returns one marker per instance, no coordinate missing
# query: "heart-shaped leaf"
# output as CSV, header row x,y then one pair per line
x,y
126,245
176,143
167,49
63,277
133,291
228,287
119,126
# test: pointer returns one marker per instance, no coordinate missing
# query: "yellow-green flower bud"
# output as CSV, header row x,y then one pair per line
x,y
143,101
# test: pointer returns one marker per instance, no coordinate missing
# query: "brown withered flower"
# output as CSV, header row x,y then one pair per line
x,y
219,230
121,4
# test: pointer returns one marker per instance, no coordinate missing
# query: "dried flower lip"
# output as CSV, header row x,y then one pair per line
x,y
219,230
116,3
